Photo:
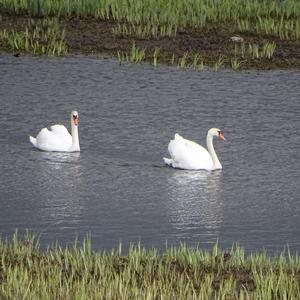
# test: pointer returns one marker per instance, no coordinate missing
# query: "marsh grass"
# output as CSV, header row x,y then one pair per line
x,y
136,55
157,18
78,272
188,61
157,12
255,51
183,61
236,63
198,63
256,21
41,37
146,31
155,56
219,63
285,29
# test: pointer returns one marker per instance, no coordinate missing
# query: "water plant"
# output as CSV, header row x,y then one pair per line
x,y
218,63
155,56
182,272
142,20
164,16
172,60
182,62
136,55
285,29
254,50
235,63
144,31
40,37
268,49
197,62
200,66
243,25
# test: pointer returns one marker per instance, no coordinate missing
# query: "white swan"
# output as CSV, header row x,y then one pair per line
x,y
189,155
58,139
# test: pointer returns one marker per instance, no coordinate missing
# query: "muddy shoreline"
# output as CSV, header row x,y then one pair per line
x,y
90,36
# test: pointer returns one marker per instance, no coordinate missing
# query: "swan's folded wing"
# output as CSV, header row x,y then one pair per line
x,y
180,153
188,147
51,141
60,130
196,149
46,139
62,134
177,148
188,154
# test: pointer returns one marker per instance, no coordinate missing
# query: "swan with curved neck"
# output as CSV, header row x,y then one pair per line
x,y
186,154
58,138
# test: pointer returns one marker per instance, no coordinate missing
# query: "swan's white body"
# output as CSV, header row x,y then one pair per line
x,y
186,154
58,138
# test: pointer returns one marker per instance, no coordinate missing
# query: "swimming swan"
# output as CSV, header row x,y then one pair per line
x,y
189,155
58,139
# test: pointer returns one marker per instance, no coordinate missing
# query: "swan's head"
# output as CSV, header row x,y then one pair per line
x,y
217,132
74,117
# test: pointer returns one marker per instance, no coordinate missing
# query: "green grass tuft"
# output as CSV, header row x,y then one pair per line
x,y
78,272
41,37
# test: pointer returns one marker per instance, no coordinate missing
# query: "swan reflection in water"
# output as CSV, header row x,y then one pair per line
x,y
195,202
58,159
60,176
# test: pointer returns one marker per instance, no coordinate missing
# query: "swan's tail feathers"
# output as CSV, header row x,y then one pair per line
x,y
32,141
168,161
177,137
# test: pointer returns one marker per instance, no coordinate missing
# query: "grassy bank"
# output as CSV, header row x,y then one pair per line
x,y
265,15
76,272
194,33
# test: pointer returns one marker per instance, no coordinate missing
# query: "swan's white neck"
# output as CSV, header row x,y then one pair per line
x,y
212,152
75,138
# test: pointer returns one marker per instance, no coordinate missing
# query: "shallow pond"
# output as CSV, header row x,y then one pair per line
x,y
117,188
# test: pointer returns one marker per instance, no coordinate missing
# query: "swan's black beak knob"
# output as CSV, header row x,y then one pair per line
x,y
75,119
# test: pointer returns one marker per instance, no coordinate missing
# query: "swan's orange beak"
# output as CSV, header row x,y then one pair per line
x,y
75,119
221,136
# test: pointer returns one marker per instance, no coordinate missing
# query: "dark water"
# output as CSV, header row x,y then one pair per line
x,y
117,188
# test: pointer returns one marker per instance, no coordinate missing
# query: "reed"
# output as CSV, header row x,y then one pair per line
x,y
197,62
160,13
41,37
155,56
189,61
285,29
236,63
137,20
136,55
144,31
255,51
183,61
78,272
219,63
268,49
172,60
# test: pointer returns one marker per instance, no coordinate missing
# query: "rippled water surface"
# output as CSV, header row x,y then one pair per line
x,y
117,188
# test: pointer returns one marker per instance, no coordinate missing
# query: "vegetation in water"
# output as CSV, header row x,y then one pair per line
x,y
41,37
77,272
265,16
258,33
